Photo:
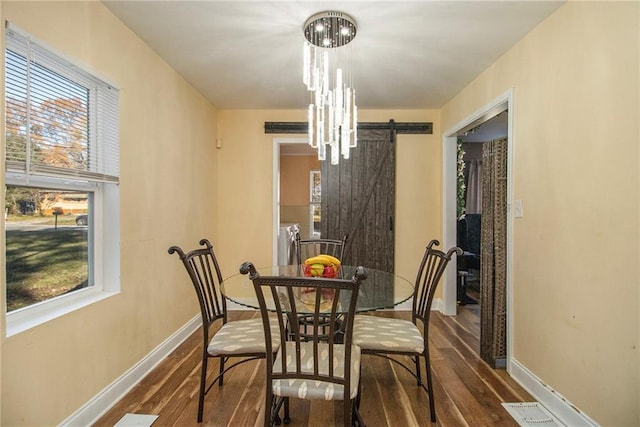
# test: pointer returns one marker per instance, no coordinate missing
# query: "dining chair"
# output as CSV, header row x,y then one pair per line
x,y
388,337
306,248
312,247
309,367
239,338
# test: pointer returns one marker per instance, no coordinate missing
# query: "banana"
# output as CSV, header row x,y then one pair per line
x,y
332,260
323,259
315,260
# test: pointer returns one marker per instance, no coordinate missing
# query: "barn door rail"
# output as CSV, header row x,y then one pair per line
x,y
398,127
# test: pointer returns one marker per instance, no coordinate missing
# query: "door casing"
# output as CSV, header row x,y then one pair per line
x,y
276,188
449,188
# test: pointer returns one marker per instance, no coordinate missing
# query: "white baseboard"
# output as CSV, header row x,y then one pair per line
x,y
91,411
553,401
436,305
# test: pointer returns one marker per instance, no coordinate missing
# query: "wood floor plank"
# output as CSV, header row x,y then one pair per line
x,y
472,411
461,338
179,402
373,391
249,404
398,386
447,413
469,317
468,393
171,380
506,392
482,394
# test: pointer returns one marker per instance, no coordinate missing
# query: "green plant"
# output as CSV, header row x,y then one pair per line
x,y
461,186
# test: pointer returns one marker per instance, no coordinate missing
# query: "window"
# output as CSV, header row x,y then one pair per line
x,y
314,204
61,195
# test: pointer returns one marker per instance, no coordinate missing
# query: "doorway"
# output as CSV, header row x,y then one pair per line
x,y
474,144
296,212
502,104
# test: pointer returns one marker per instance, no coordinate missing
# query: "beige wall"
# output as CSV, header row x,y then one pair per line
x,y
575,80
294,179
168,196
295,190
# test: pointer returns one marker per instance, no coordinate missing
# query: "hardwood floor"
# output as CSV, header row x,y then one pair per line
x,y
467,391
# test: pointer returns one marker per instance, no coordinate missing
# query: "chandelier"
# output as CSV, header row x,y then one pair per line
x,y
332,115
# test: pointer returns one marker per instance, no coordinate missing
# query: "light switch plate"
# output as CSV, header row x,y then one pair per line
x,y
517,209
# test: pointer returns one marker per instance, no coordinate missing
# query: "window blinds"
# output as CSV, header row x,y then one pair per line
x,y
61,121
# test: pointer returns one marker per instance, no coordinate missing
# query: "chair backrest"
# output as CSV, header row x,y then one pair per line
x,y
433,264
309,248
321,301
203,269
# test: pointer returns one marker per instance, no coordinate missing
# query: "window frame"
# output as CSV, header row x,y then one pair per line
x,y
313,203
104,221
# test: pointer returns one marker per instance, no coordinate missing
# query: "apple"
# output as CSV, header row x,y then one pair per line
x,y
317,269
329,271
306,269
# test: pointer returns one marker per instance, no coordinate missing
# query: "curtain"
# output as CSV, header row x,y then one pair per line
x,y
493,265
474,188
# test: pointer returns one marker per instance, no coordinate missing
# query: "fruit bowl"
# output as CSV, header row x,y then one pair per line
x,y
308,297
319,270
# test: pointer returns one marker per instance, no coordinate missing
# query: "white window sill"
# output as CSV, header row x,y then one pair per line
x,y
29,317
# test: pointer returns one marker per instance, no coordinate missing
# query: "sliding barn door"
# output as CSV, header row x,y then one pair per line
x,y
358,199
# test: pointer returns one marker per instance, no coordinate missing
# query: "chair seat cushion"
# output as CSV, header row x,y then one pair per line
x,y
385,334
242,337
316,389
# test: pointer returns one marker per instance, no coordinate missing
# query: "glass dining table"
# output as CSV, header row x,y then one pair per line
x,y
380,290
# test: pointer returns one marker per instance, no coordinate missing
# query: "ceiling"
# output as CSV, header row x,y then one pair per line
x,y
247,54
486,128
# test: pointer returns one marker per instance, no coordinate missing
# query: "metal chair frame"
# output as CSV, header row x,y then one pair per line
x,y
432,267
306,248
203,269
312,247
281,290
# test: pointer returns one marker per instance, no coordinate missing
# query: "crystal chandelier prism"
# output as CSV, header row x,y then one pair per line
x,y
327,72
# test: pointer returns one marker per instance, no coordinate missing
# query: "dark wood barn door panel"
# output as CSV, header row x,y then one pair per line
x,y
358,199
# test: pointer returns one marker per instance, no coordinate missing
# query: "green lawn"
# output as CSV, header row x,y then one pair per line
x,y
42,264
50,220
